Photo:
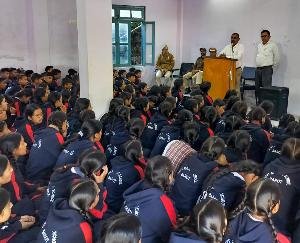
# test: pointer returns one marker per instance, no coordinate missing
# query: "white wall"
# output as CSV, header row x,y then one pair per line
x,y
166,14
210,24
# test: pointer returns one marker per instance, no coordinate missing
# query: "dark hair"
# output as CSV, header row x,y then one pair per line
x,y
82,195
267,105
171,100
196,91
72,71
136,127
130,74
55,71
165,108
120,72
86,115
89,128
291,149
285,119
92,161
132,150
2,125
66,95
229,93
190,133
123,227
81,104
4,198
141,103
210,115
183,116
53,97
47,68
190,104
137,71
257,114
2,97
232,123
123,112
3,164
164,90
266,31
114,103
207,220
157,172
213,147
35,76
205,86
293,129
230,102
130,89
125,96
65,81
27,92
30,109
218,102
177,84
155,90
9,143
39,93
57,118
241,141
240,108
141,86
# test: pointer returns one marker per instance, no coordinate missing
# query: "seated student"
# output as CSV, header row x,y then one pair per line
x,y
22,83
154,103
89,134
260,137
66,84
229,103
46,148
18,229
3,85
191,105
177,90
237,147
171,132
130,78
219,104
20,101
154,126
141,109
165,92
3,129
284,121
119,87
36,80
231,124
127,99
147,200
126,170
133,131
192,172
131,89
123,228
142,89
48,79
205,87
68,219
274,150
206,223
138,76
228,185
74,121
66,96
285,172
229,93
33,118
54,104
252,220
268,106
10,177
92,165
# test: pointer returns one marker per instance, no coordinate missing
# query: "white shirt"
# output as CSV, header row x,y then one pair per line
x,y
267,55
235,52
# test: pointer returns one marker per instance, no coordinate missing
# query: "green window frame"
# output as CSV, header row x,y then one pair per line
x,y
123,18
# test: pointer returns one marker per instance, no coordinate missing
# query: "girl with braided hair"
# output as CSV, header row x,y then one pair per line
x,y
206,224
228,185
252,219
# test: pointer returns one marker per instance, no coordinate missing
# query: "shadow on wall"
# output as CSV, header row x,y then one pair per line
x,y
280,71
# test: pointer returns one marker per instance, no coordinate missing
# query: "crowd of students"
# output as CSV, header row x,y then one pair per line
x,y
160,166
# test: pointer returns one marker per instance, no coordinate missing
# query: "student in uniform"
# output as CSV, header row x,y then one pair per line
x,y
89,134
193,171
285,172
284,121
191,104
69,219
231,124
20,101
147,200
15,229
46,148
127,99
142,89
54,104
260,137
206,224
92,165
228,185
205,87
171,132
126,170
123,228
252,220
177,90
33,118
154,126
141,109
268,106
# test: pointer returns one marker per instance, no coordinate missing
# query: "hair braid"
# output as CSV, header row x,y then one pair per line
x,y
270,222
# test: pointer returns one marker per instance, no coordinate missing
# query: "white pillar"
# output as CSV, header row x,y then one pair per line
x,y
95,52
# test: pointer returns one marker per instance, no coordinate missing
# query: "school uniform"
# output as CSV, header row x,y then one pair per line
x,y
189,180
233,155
134,113
19,106
113,149
267,125
208,100
177,94
228,189
277,130
259,142
12,90
274,150
71,153
204,132
27,130
154,209
167,134
151,131
111,127
122,175
11,232
184,237
65,224
74,123
286,175
43,154
244,228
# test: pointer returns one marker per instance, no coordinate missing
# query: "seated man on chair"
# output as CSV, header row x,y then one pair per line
x,y
165,64
197,72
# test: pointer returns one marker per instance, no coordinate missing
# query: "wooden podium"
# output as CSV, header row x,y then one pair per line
x,y
221,72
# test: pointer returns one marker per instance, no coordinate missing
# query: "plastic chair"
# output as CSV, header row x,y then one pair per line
x,y
248,74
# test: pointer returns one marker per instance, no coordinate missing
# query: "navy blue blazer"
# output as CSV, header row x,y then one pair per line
x,y
185,238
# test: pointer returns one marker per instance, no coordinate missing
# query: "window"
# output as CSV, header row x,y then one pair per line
x,y
132,37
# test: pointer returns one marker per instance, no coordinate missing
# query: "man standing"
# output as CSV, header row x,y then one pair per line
x,y
197,72
235,50
267,57
164,64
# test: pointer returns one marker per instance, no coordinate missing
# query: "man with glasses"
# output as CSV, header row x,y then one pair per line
x,y
235,50
267,57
